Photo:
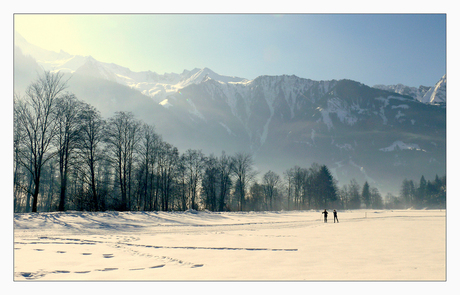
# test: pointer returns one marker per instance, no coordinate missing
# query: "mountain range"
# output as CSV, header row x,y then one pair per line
x,y
381,134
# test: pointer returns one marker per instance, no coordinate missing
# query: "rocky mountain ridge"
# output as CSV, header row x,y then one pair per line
x,y
431,95
380,134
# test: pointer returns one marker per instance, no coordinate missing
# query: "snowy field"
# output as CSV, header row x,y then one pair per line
x,y
367,245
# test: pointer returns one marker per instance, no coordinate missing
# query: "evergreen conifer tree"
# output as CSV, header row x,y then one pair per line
x,y
366,195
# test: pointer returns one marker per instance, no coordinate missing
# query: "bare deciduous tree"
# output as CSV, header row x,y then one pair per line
x,y
288,178
37,115
148,150
66,138
123,137
194,161
225,167
244,172
91,136
210,184
168,158
270,182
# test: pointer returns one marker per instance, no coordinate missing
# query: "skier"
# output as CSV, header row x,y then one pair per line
x,y
325,216
335,216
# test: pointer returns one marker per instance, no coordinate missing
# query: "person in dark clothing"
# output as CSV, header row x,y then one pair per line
x,y
325,216
335,216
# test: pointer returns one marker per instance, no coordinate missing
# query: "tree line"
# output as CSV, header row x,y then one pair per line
x,y
68,157
425,194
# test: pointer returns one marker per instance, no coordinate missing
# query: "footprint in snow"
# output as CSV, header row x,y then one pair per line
x,y
108,255
32,275
61,271
157,266
107,269
197,265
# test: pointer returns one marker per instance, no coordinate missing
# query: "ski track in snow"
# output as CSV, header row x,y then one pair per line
x,y
126,243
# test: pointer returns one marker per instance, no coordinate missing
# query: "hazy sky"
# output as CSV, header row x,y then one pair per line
x,y
369,48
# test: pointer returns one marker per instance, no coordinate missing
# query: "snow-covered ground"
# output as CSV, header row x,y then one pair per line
x,y
374,245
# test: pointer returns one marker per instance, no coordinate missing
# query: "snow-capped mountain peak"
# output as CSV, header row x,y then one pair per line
x,y
147,82
436,94
429,95
206,72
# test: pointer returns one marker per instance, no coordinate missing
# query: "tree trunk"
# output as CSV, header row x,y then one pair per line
x,y
93,190
62,195
35,194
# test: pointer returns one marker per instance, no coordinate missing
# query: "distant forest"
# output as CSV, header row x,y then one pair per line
x,y
67,157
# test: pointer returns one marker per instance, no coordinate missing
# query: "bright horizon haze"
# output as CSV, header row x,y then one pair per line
x,y
369,48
